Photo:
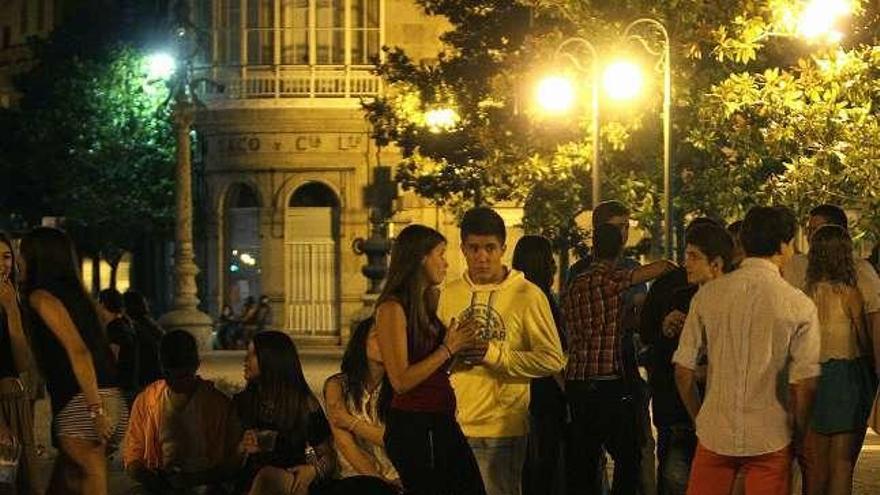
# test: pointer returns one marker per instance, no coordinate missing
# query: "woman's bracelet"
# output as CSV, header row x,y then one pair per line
x,y
96,410
447,349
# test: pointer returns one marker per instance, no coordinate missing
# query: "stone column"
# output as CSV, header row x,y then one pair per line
x,y
184,313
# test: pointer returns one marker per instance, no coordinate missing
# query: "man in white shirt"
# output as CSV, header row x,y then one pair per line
x,y
867,280
761,337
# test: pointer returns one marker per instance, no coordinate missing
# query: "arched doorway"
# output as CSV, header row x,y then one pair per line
x,y
241,253
311,253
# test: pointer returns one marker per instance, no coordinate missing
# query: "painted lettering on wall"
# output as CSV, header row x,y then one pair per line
x,y
242,144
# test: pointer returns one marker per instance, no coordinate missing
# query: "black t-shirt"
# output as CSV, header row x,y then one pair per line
x,y
290,444
7,365
121,334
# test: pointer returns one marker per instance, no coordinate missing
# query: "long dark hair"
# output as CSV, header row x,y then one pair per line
x,y
533,255
51,264
407,284
356,370
831,258
284,396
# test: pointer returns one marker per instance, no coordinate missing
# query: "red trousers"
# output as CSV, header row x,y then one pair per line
x,y
765,474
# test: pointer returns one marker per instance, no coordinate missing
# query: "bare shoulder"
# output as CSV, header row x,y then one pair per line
x,y
42,299
389,308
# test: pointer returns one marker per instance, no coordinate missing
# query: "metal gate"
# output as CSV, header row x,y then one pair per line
x,y
310,254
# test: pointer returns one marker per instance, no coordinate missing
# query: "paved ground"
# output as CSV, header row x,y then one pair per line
x,y
225,368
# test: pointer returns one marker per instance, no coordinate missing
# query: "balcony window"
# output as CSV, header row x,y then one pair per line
x,y
292,32
365,43
295,32
227,43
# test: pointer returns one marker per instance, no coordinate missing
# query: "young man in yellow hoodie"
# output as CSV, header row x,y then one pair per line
x,y
518,342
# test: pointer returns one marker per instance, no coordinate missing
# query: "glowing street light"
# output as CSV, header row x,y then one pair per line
x,y
160,66
441,119
556,94
819,18
623,80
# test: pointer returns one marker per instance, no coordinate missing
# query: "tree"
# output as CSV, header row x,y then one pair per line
x,y
798,137
724,54
90,141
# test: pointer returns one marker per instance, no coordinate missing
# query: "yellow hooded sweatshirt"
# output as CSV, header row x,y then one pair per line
x,y
515,317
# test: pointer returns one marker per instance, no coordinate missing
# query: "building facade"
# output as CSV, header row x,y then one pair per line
x,y
282,147
287,153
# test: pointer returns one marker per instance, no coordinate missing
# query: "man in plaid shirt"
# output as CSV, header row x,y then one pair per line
x,y
603,409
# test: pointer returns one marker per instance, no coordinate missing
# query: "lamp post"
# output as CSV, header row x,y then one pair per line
x,y
184,313
552,87
666,61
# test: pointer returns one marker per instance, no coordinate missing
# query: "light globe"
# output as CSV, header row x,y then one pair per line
x,y
160,66
556,94
623,80
441,119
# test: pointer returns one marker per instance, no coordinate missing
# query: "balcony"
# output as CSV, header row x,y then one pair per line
x,y
287,82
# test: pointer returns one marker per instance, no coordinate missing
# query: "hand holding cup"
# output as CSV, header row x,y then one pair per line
x,y
460,335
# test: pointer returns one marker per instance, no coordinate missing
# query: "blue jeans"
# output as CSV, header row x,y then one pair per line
x,y
676,446
501,462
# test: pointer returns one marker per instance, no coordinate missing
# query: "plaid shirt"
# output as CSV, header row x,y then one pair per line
x,y
593,315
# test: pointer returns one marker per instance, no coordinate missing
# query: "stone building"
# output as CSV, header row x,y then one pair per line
x,y
287,153
283,146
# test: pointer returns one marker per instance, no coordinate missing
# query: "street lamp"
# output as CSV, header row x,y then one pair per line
x,y
184,311
666,61
556,94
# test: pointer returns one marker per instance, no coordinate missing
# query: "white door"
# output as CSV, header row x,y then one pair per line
x,y
310,271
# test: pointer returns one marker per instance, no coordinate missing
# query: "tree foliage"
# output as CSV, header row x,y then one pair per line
x,y
90,141
759,113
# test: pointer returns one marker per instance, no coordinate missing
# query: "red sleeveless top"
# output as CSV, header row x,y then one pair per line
x,y
434,395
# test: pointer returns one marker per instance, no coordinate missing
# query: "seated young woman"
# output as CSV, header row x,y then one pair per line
x,y
287,439
357,400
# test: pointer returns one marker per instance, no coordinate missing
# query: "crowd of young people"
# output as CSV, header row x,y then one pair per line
x,y
486,384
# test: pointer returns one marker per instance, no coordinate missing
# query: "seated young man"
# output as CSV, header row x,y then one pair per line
x,y
183,432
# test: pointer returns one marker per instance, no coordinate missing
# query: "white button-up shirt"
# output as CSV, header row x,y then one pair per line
x,y
760,334
867,280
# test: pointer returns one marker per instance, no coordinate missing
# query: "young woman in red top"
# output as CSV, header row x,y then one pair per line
x,y
422,438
